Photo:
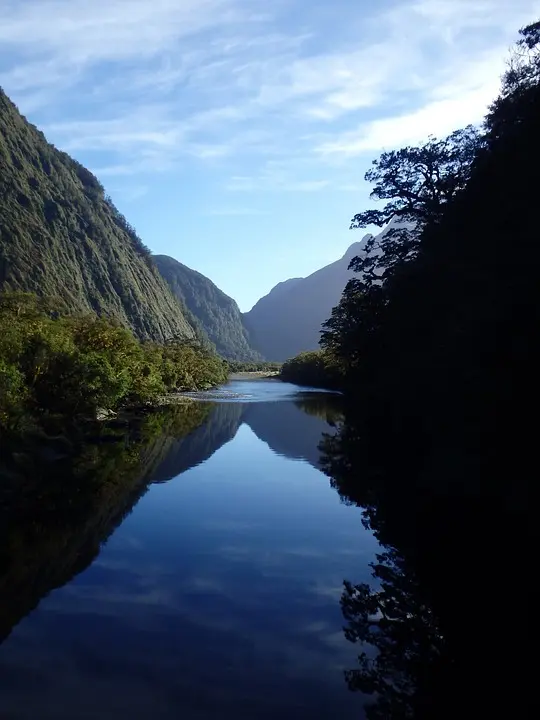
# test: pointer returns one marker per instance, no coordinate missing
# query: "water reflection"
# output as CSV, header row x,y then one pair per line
x,y
218,596
184,452
294,430
437,606
54,516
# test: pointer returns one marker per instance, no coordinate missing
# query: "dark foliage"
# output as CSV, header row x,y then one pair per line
x,y
239,366
318,368
435,337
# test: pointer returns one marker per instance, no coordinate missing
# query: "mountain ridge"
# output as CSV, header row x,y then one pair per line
x,y
217,314
60,235
288,319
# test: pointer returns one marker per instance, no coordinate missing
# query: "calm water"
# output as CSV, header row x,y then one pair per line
x,y
198,577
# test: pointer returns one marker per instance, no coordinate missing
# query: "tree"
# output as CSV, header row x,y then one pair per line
x,y
442,338
419,183
315,368
62,368
519,87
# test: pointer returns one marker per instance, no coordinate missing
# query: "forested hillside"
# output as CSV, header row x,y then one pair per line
x,y
215,312
61,236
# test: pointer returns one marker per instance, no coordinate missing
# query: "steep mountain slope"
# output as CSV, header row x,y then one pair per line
x,y
61,236
288,320
216,313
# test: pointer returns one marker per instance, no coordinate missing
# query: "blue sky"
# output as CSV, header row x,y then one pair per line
x,y
234,134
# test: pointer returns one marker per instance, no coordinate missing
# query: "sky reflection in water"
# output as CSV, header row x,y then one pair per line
x,y
218,596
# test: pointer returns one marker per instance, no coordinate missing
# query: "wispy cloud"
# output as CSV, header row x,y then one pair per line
x,y
446,107
88,31
277,96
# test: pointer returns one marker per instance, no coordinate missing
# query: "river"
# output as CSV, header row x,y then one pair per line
x,y
194,574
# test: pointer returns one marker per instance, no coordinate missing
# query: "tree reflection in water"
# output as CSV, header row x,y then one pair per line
x,y
60,503
391,619
436,628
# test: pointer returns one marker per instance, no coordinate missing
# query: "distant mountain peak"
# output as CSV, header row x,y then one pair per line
x,y
288,320
356,248
290,281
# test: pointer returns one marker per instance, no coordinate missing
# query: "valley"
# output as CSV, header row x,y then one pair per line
x,y
316,508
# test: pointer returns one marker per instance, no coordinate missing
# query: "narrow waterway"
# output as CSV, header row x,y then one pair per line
x,y
196,575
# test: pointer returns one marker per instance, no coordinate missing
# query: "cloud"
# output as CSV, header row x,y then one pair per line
x,y
86,31
406,49
134,87
448,107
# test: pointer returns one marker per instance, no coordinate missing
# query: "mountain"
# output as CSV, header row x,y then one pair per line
x,y
60,235
216,313
288,320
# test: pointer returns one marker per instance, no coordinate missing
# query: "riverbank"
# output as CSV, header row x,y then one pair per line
x,y
63,369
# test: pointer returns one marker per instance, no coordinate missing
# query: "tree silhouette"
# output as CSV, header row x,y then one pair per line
x,y
392,620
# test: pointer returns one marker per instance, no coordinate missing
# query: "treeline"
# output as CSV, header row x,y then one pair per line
x,y
435,339
59,366
236,366
315,368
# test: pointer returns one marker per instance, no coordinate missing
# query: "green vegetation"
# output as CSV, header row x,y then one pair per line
x,y
236,366
60,235
318,368
209,309
63,367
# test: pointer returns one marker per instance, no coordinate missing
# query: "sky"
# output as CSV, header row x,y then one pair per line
x,y
235,134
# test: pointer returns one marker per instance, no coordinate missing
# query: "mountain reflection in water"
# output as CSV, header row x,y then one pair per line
x,y
197,570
